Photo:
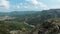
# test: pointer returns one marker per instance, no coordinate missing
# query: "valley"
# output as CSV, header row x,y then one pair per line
x,y
30,22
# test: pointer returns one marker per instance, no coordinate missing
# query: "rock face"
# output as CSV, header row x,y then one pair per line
x,y
47,28
17,32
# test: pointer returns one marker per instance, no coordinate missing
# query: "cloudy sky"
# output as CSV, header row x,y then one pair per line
x,y
28,5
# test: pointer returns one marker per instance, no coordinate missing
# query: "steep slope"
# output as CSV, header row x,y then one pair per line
x,y
40,17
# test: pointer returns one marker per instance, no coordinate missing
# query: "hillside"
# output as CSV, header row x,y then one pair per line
x,y
40,17
27,20
32,17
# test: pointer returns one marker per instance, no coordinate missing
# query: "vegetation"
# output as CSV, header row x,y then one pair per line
x,y
23,20
6,27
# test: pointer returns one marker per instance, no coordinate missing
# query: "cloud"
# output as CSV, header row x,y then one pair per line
x,y
18,6
39,4
55,6
25,7
43,6
58,0
5,3
33,1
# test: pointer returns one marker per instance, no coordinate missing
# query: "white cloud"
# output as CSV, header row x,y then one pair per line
x,y
44,6
18,6
21,6
55,1
55,6
36,7
39,4
33,1
5,3
58,0
25,7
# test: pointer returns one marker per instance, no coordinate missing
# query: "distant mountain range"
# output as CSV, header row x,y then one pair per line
x,y
16,13
33,17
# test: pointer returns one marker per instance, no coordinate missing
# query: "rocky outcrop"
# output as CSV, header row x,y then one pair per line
x,y
48,27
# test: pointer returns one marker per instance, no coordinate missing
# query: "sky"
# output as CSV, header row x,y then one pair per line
x,y
28,5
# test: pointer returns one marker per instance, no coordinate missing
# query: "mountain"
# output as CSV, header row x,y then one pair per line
x,y
16,13
28,20
41,16
33,17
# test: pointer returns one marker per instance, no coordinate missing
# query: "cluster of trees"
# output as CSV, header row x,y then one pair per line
x,y
6,27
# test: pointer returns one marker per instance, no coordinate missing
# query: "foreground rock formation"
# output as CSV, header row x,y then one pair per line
x,y
48,27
